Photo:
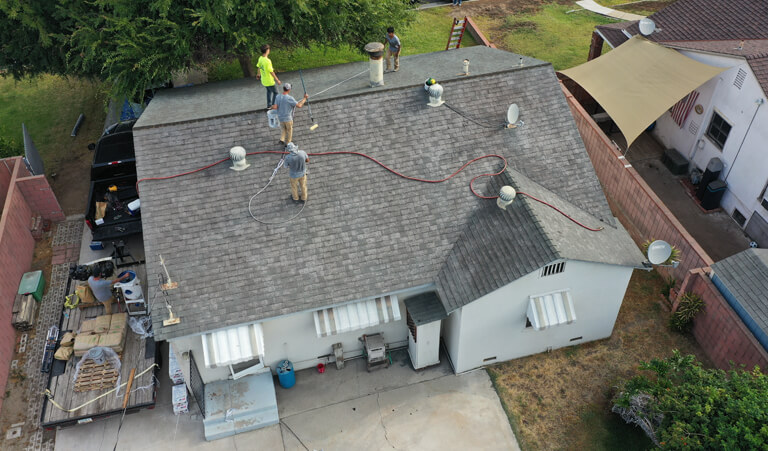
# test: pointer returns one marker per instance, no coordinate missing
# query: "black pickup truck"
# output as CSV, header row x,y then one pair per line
x,y
113,186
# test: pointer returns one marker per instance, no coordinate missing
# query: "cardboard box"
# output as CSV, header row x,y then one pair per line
x,y
85,294
87,326
85,342
119,322
68,339
102,323
114,340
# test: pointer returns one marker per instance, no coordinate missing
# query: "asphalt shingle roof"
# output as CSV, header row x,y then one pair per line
x,y
746,276
497,247
364,232
710,25
425,308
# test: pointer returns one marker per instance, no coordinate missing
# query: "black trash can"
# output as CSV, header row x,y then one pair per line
x,y
714,167
713,195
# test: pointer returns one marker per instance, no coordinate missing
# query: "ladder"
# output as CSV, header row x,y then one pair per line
x,y
457,32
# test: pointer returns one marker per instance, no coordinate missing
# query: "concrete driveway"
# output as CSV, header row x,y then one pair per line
x,y
392,408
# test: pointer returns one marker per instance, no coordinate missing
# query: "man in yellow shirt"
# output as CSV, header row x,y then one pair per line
x,y
267,75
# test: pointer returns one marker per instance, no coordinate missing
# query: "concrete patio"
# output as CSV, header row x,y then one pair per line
x,y
395,407
715,231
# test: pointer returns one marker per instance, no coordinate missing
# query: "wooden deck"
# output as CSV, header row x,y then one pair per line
x,y
133,356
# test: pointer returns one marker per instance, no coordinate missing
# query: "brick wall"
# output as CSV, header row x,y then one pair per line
x,y
24,196
478,35
633,202
719,330
39,195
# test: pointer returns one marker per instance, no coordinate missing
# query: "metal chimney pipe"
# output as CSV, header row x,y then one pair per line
x,y
375,51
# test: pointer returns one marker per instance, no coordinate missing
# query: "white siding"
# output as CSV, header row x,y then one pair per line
x,y
426,351
494,325
746,162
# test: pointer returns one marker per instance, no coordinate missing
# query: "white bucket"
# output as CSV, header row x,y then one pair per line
x,y
272,117
131,289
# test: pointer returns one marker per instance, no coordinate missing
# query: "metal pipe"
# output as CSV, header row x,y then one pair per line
x,y
760,103
79,122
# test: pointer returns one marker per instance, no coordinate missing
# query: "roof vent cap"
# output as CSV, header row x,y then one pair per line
x,y
237,155
506,197
435,92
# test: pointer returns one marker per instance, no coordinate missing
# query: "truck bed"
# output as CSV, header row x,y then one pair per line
x,y
117,224
134,355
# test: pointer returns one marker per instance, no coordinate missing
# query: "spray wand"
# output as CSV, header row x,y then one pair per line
x,y
314,125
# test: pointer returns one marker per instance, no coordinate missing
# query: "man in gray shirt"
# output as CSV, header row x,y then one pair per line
x,y
285,105
102,287
296,162
393,49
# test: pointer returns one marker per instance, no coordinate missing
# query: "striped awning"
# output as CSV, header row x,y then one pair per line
x,y
357,315
551,310
233,345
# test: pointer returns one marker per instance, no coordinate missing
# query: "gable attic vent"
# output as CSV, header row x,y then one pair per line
x,y
740,77
554,268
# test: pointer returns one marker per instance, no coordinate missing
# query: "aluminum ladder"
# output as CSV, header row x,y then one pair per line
x,y
457,32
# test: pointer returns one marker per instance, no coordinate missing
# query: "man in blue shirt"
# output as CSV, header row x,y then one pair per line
x,y
393,49
285,105
102,287
296,162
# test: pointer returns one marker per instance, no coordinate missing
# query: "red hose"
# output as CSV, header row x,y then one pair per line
x,y
471,187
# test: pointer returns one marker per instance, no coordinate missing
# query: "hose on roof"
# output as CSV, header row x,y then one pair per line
x,y
393,171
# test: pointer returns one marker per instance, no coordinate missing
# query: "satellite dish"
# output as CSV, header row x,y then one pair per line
x,y
647,26
658,252
513,114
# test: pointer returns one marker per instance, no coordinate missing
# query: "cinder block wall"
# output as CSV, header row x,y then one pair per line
x,y
633,202
22,197
719,330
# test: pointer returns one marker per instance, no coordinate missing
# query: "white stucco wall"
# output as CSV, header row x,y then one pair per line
x,y
494,325
293,337
745,165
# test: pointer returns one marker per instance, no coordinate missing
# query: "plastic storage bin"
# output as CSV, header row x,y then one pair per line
x,y
33,283
285,374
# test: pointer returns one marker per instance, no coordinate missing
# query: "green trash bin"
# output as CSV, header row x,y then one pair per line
x,y
33,283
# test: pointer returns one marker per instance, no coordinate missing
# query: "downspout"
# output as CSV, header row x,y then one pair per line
x,y
759,103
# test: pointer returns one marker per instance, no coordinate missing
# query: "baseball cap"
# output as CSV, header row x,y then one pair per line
x,y
287,86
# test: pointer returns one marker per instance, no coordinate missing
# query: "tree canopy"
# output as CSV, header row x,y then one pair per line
x,y
681,405
136,44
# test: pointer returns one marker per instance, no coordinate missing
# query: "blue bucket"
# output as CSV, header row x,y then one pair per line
x,y
285,374
131,275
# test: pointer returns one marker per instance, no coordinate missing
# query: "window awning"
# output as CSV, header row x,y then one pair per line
x,y
551,310
357,315
640,80
233,345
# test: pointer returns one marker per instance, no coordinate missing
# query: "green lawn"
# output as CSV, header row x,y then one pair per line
x,y
549,34
428,33
49,106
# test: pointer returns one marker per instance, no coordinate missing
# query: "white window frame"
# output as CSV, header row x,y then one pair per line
x,y
715,111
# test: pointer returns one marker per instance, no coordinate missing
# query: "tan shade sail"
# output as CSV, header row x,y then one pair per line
x,y
638,81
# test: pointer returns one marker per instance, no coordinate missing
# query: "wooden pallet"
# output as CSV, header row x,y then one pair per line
x,y
95,377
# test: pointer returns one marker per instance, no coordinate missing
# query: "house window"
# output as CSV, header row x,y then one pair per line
x,y
550,309
718,130
764,203
554,268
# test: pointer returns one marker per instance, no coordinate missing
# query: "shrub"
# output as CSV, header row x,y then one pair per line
x,y
9,148
690,305
681,405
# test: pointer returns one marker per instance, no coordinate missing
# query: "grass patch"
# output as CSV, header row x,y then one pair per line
x,y
562,399
49,106
550,34
428,33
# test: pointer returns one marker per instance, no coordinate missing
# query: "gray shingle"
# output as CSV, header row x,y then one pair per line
x,y
364,231
746,276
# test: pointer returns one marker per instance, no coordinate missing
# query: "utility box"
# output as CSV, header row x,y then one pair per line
x,y
33,283
675,162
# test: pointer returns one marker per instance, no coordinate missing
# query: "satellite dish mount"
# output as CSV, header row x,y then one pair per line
x,y
513,116
647,26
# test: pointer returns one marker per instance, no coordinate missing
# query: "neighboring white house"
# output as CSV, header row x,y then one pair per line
x,y
421,263
726,117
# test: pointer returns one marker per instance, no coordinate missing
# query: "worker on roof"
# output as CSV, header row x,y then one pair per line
x,y
393,49
267,75
101,286
296,162
285,105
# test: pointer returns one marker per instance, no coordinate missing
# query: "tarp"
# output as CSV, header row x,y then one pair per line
x,y
638,81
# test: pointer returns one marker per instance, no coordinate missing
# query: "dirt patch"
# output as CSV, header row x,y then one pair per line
x,y
561,400
522,25
501,8
69,172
